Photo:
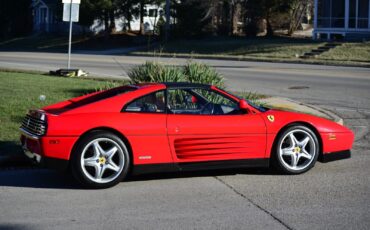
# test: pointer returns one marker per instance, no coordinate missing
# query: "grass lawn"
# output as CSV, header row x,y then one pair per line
x,y
20,92
279,49
351,52
254,48
59,43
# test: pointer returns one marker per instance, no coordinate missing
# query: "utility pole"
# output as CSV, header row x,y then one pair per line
x,y
70,14
70,36
71,10
168,18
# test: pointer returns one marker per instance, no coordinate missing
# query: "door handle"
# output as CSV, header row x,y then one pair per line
x,y
177,129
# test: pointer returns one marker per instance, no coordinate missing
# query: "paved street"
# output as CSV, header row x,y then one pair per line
x,y
334,195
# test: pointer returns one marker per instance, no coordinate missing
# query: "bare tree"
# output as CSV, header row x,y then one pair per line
x,y
297,12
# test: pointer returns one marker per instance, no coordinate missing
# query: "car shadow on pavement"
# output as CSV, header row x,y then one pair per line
x,y
16,227
203,173
44,178
36,178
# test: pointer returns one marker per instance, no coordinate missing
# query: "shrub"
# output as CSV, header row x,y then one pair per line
x,y
202,73
107,85
155,72
191,72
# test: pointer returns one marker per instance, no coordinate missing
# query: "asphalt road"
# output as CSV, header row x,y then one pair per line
x,y
334,195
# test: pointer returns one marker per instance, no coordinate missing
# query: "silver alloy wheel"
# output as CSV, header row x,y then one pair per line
x,y
297,150
102,160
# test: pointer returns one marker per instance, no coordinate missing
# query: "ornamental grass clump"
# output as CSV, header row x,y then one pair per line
x,y
202,73
155,72
192,72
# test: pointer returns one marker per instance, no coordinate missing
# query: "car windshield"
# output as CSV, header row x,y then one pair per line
x,y
258,107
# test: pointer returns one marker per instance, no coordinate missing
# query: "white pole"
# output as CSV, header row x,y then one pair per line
x,y
70,36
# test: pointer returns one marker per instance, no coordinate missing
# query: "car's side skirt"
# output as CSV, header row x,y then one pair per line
x,y
204,165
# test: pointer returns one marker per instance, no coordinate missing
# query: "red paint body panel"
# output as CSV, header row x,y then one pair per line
x,y
323,127
342,141
61,148
190,148
204,137
176,138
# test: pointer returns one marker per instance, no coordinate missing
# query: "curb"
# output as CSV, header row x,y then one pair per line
x,y
247,59
334,116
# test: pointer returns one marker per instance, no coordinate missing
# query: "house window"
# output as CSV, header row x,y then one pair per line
x,y
358,14
331,13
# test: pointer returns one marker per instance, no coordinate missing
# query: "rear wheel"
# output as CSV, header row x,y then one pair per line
x,y
100,160
296,150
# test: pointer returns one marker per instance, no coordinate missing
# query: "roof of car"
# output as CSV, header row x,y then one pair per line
x,y
177,85
185,85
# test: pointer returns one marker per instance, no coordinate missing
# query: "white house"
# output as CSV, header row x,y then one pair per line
x,y
44,19
152,14
345,18
43,15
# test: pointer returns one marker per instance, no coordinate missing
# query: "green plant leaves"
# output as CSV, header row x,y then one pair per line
x,y
191,72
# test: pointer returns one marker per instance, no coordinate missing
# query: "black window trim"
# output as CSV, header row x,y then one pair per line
x,y
123,110
184,87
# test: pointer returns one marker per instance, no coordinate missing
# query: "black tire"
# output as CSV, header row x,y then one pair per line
x,y
81,173
281,163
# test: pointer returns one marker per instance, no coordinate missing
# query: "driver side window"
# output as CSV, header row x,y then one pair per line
x,y
199,101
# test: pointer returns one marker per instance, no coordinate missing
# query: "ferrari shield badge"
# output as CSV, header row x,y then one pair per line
x,y
271,118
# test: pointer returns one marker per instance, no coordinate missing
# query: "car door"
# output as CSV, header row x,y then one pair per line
x,y
196,133
144,124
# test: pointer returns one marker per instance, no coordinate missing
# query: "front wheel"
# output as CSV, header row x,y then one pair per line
x,y
100,160
296,150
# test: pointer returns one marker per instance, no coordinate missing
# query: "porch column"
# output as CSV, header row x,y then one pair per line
x,y
315,14
346,15
314,34
39,18
47,19
368,19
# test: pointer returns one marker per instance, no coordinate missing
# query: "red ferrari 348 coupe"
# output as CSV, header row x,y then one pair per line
x,y
158,127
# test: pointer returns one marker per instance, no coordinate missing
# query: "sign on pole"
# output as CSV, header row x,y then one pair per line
x,y
70,14
67,12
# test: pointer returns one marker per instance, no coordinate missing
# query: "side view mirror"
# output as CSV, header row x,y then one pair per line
x,y
243,104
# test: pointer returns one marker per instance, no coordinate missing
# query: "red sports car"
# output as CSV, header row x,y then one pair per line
x,y
175,126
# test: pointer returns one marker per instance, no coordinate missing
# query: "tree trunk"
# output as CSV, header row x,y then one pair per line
x,y
112,22
297,17
142,17
106,24
270,31
230,18
235,18
128,19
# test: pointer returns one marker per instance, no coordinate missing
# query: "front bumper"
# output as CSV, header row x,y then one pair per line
x,y
340,155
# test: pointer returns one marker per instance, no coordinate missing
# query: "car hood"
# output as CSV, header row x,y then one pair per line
x,y
276,119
